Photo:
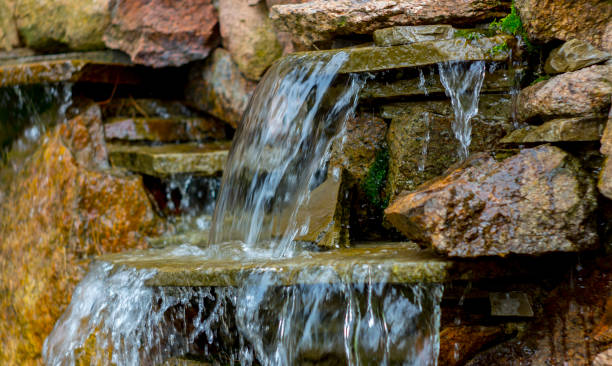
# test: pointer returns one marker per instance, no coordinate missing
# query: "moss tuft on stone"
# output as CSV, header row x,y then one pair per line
x,y
512,24
375,181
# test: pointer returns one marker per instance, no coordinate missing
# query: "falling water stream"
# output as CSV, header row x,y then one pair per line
x,y
298,109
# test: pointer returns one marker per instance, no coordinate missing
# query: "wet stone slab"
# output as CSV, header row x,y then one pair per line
x,y
161,161
366,59
98,66
163,129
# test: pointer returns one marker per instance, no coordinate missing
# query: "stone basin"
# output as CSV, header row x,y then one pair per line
x,y
206,159
391,262
97,66
373,58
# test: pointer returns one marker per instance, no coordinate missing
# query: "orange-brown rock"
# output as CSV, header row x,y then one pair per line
x,y
322,20
162,33
537,201
582,93
605,177
60,209
587,20
459,344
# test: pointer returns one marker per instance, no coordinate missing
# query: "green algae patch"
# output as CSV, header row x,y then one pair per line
x,y
376,179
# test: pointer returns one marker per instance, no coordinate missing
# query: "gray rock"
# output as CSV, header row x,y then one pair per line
x,y
409,34
574,55
535,202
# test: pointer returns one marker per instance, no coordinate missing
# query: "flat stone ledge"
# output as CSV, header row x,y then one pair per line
x,y
161,161
163,129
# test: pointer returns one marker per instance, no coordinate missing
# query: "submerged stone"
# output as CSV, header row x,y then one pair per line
x,y
364,59
164,129
206,159
557,130
573,55
459,343
582,93
510,304
159,33
409,34
99,67
248,35
498,81
322,20
535,202
218,87
587,20
421,141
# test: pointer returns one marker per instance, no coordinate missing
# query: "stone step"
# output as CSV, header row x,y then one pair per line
x,y
394,262
163,129
206,159
497,81
97,67
189,237
372,58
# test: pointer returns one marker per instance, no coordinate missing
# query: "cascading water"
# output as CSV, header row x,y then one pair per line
x,y
299,107
462,83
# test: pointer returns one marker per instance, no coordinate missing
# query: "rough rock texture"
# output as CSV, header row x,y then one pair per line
x,y
421,140
537,201
9,38
584,93
563,332
322,20
248,35
459,344
605,177
218,87
409,34
561,129
587,20
60,210
52,25
160,33
574,55
603,359
145,107
164,129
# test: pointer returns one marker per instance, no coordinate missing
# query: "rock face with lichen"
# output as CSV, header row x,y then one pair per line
x,y
8,30
322,20
217,87
535,202
52,25
159,33
61,209
549,20
249,36
582,93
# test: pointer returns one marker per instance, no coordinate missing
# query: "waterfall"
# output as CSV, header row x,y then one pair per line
x,y
462,83
299,107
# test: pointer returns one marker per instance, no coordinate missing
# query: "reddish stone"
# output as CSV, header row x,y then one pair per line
x,y
162,33
459,344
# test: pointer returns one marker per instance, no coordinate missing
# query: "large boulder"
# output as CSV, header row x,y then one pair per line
x,y
8,30
421,140
159,33
322,20
61,209
248,35
51,25
582,93
535,202
218,87
587,20
574,55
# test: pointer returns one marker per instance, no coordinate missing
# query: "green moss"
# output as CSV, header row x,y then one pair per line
x,y
540,78
467,34
512,24
374,183
500,48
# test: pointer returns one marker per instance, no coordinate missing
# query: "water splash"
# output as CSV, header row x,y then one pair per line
x,y
462,83
114,318
293,117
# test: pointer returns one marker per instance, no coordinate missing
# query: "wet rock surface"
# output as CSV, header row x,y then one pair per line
x,y
158,33
556,130
584,93
61,209
248,35
422,144
409,34
574,55
218,87
535,202
458,344
322,20
58,25
550,20
164,129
